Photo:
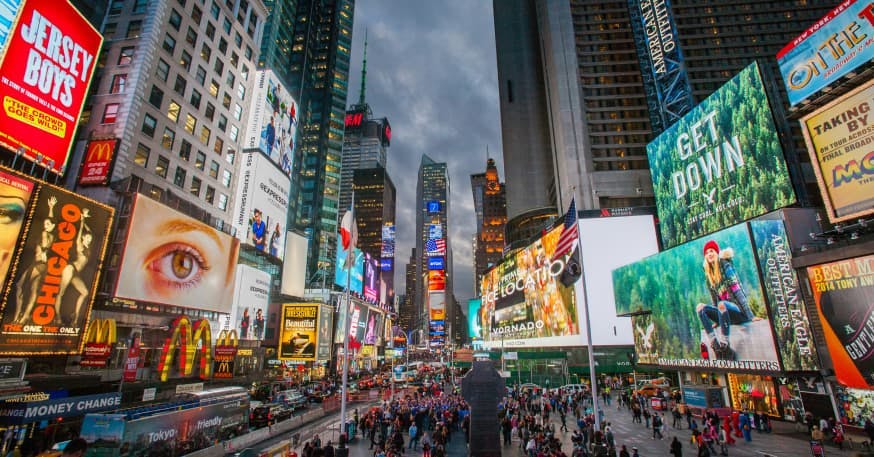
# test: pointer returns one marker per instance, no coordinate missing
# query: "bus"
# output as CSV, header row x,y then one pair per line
x,y
194,421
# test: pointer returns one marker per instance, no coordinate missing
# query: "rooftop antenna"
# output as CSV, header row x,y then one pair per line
x,y
363,72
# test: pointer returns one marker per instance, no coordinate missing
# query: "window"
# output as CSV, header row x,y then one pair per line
x,y
162,166
173,111
222,122
213,88
118,82
110,112
180,84
210,30
175,19
241,91
219,145
223,45
168,138
134,28
210,111
149,125
179,177
234,132
238,111
169,44
185,150
196,14
109,30
115,7
204,134
205,52
200,161
200,75
245,73
101,59
238,39
141,157
195,186
226,100
213,169
214,10
222,202
234,59
190,123
191,37
230,79
156,96
126,55
226,25
210,195
185,60
163,70
219,66
248,52
195,98
226,178
140,6
230,156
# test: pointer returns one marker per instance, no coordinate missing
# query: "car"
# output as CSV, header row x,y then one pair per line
x,y
265,415
574,388
649,390
318,396
530,387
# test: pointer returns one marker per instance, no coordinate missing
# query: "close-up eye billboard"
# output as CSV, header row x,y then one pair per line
x,y
720,164
174,259
273,121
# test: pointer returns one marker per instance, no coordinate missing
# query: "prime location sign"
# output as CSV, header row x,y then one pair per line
x,y
46,69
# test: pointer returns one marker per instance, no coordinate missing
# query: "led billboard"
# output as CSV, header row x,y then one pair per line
x,y
326,322
15,193
474,326
839,138
705,305
388,241
174,259
371,279
721,164
437,306
54,275
273,121
833,46
294,264
436,263
97,163
435,231
47,67
436,280
299,327
342,276
251,297
844,295
261,205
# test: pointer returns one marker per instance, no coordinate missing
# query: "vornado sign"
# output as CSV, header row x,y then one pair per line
x,y
185,337
99,339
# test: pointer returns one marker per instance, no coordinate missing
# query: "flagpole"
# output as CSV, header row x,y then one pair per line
x,y
349,255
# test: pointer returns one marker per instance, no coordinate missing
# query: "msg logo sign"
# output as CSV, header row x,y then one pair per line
x,y
97,164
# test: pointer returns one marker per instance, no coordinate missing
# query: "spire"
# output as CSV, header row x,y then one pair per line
x,y
363,72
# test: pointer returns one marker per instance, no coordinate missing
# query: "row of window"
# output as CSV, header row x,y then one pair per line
x,y
162,168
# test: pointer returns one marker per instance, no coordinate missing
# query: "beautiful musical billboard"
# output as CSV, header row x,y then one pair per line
x,y
839,137
299,327
47,66
721,164
53,281
261,205
174,259
844,295
342,276
97,163
251,297
833,46
699,305
273,121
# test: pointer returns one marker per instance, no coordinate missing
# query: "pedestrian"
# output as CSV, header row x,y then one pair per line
x,y
426,445
656,426
646,417
624,452
723,442
329,449
676,448
634,452
414,437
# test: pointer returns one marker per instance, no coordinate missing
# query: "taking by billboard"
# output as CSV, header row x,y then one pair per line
x,y
261,205
97,163
354,277
326,322
844,295
720,164
299,331
52,284
251,297
174,259
273,121
839,137
15,192
47,66
833,46
699,305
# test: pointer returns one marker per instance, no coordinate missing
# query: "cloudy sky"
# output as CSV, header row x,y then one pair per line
x,y
431,70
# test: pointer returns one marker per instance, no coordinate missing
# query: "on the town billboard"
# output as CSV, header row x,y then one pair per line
x,y
174,259
261,205
833,46
46,68
839,137
272,121
721,164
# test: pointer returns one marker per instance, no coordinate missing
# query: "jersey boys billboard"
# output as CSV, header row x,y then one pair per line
x,y
721,164
46,69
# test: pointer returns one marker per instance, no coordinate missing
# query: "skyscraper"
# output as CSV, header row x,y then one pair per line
x,y
490,203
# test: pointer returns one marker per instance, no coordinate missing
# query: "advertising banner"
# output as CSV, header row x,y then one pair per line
x,y
387,284
7,20
436,263
100,338
97,164
705,302
132,361
299,331
373,326
251,296
261,206
326,323
294,264
371,279
341,274
173,259
15,195
435,231
57,408
436,280
788,310
273,121
474,328
48,296
388,241
721,164
437,306
833,46
47,67
839,137
844,296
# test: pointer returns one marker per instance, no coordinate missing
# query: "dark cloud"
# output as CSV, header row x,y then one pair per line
x,y
431,70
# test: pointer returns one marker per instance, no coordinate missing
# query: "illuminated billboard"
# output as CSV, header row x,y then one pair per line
x,y
436,280
844,295
299,331
326,322
433,206
699,305
341,274
97,163
261,205
388,241
371,279
833,46
721,164
54,275
273,121
435,231
839,143
474,326
174,259
436,263
251,297
437,306
15,193
47,66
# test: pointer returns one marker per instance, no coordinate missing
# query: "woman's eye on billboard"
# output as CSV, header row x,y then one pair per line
x,y
176,266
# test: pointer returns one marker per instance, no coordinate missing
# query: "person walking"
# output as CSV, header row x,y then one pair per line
x,y
676,448
656,426
414,437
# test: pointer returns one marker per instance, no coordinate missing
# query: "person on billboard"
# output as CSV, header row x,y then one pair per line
x,y
32,279
729,302
274,241
244,324
13,206
71,275
302,345
270,136
259,230
258,328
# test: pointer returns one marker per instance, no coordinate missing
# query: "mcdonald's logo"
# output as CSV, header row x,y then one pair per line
x,y
226,345
99,339
223,370
98,157
184,336
100,151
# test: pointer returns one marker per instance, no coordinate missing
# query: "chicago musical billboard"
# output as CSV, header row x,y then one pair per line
x,y
261,205
273,121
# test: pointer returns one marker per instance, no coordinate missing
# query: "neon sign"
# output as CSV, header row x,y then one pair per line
x,y
185,338
354,120
99,339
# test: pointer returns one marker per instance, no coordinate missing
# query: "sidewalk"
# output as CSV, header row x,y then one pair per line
x,y
454,448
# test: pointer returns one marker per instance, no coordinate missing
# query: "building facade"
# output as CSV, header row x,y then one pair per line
x,y
490,203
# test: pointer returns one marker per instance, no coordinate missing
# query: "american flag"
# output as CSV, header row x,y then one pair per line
x,y
436,247
568,239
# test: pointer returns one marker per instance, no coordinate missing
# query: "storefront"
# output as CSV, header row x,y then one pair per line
x,y
754,393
